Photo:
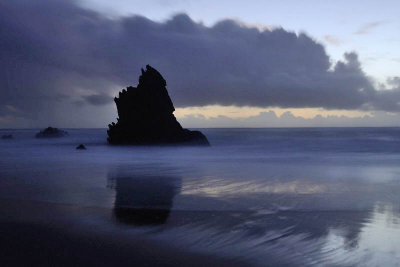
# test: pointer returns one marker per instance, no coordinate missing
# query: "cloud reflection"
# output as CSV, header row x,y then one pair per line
x,y
222,187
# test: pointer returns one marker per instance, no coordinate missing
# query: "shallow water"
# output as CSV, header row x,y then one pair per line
x,y
314,196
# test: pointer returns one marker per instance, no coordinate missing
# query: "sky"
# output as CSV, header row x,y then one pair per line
x,y
226,63
367,27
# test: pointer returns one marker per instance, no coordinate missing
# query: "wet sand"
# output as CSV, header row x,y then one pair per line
x,y
291,197
42,234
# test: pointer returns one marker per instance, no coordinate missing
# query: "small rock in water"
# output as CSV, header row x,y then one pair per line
x,y
51,132
7,136
81,146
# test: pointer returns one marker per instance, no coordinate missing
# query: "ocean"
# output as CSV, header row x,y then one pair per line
x,y
256,197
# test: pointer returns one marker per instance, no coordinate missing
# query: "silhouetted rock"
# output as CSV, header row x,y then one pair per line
x,y
146,115
7,136
143,199
81,146
50,132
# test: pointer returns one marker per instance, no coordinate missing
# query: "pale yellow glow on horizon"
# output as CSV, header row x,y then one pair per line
x,y
244,112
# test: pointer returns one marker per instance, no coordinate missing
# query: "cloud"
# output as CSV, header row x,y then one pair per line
x,y
98,99
55,53
332,40
368,27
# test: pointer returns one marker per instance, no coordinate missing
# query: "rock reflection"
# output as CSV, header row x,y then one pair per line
x,y
143,199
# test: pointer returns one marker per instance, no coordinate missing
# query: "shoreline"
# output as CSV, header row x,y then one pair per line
x,y
37,234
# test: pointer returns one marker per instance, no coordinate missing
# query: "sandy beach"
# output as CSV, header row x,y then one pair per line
x,y
41,234
256,197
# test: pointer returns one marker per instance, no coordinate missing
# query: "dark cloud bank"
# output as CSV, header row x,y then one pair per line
x,y
57,58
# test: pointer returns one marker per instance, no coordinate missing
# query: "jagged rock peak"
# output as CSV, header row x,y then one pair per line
x,y
146,115
151,77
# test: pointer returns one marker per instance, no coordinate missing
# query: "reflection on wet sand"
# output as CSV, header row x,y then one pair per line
x,y
301,238
291,236
265,226
143,199
375,243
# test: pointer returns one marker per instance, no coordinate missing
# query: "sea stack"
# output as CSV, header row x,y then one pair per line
x,y
146,116
51,132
